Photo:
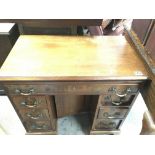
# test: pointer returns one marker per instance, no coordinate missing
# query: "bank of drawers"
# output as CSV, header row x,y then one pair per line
x,y
34,112
113,108
113,104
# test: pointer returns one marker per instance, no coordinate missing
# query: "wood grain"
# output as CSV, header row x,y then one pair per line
x,y
62,58
71,104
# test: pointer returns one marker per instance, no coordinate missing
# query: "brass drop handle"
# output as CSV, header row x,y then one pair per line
x,y
39,127
106,115
33,116
32,105
112,125
128,90
117,103
24,92
111,117
107,125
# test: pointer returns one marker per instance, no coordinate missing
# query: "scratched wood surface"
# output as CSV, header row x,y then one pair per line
x,y
41,57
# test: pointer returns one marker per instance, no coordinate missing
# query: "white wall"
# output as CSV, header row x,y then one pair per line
x,y
9,121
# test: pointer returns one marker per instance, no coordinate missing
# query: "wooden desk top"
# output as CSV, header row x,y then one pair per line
x,y
41,57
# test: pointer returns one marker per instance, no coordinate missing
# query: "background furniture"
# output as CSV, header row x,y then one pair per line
x,y
8,36
143,32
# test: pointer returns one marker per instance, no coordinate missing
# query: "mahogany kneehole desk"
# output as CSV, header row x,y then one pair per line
x,y
47,77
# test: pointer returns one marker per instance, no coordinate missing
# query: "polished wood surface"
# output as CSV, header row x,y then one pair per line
x,y
72,58
71,104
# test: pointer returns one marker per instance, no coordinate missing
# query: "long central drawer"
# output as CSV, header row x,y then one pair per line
x,y
70,88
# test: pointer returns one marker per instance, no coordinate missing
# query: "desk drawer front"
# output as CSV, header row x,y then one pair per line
x,y
107,124
29,102
112,112
113,100
35,114
38,126
73,88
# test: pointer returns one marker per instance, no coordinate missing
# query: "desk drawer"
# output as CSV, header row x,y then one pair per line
x,y
35,114
114,100
29,102
107,124
112,112
72,88
38,126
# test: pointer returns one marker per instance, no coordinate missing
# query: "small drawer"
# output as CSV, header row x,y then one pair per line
x,y
29,102
113,100
38,126
35,114
107,124
112,112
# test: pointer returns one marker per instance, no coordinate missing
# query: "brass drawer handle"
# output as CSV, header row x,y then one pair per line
x,y
106,115
116,103
39,127
32,105
38,116
112,125
128,90
106,125
25,92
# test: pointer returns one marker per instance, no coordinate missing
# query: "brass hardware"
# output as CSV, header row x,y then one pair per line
x,y
107,125
30,103
106,115
110,117
39,127
24,92
34,116
112,125
128,90
116,103
121,96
